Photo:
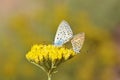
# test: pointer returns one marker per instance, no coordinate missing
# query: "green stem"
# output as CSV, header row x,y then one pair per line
x,y
49,76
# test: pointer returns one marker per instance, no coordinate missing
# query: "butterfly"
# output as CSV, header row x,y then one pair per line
x,y
78,41
65,34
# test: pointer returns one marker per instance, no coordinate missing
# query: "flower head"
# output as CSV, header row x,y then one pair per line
x,y
48,57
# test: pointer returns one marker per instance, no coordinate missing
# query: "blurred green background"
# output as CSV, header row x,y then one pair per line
x,y
27,22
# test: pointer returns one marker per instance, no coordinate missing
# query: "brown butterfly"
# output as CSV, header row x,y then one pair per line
x,y
77,41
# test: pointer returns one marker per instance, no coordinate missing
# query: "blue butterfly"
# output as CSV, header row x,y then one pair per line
x,y
63,34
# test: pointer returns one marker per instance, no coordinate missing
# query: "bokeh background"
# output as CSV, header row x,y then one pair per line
x,y
27,22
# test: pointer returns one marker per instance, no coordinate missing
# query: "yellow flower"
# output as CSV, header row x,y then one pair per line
x,y
48,57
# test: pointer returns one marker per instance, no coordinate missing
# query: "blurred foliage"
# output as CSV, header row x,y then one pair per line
x,y
36,22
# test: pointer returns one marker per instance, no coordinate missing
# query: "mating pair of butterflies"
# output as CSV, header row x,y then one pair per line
x,y
65,34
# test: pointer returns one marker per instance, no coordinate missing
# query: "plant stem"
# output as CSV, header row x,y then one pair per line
x,y
49,76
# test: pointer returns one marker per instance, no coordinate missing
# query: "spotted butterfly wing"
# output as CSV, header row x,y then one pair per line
x,y
78,41
63,34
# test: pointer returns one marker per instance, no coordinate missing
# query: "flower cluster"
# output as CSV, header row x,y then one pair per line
x,y
48,57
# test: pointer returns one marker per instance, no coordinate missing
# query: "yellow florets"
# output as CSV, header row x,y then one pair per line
x,y
49,56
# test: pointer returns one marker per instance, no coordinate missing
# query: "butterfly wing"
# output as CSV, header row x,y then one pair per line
x,y
78,41
63,34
